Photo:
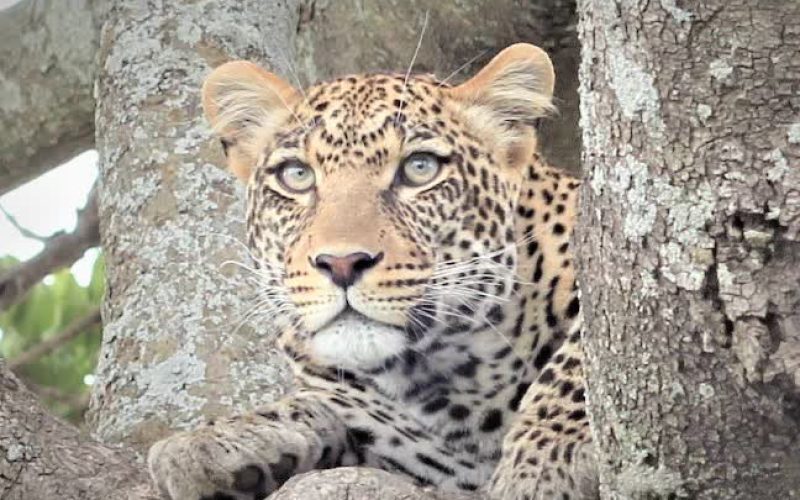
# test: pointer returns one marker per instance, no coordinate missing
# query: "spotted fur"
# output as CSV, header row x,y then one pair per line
x,y
454,358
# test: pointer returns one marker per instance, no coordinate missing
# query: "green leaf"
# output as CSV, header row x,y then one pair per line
x,y
46,311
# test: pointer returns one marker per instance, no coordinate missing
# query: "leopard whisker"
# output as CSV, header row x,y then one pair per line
x,y
491,325
295,76
260,272
461,68
457,291
254,311
426,314
489,255
410,67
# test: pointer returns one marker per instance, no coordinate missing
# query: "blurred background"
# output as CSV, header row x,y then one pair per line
x,y
51,336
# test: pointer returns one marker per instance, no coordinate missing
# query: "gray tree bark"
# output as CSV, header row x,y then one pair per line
x,y
47,72
179,345
42,457
689,246
353,483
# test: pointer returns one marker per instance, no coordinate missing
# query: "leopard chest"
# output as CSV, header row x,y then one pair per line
x,y
468,390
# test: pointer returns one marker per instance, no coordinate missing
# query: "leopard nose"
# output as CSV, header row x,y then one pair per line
x,y
346,270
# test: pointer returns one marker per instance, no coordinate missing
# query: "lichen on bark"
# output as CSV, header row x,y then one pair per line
x,y
47,70
688,243
179,344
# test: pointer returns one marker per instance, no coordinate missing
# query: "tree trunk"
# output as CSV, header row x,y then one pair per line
x,y
47,70
689,245
179,345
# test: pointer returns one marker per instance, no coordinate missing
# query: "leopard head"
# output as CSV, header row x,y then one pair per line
x,y
381,207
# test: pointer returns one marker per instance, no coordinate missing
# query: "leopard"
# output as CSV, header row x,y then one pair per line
x,y
413,253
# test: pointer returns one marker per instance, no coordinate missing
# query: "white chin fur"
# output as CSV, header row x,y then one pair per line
x,y
353,341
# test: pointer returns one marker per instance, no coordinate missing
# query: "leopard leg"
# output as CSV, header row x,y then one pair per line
x,y
249,457
548,452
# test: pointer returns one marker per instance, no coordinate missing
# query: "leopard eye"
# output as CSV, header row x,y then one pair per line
x,y
419,169
296,177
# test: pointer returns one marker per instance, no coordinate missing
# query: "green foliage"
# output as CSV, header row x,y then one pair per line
x,y
48,308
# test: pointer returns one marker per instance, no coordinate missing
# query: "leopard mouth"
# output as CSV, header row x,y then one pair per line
x,y
352,319
353,340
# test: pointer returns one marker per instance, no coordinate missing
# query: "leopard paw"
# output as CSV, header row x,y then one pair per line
x,y
223,464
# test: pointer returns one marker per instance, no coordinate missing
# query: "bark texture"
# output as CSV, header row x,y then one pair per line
x,y
47,71
42,457
351,36
353,483
178,345
689,245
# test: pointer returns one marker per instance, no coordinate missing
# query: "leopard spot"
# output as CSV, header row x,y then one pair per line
x,y
284,468
250,479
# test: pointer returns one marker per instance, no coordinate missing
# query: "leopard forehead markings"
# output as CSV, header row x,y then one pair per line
x,y
354,132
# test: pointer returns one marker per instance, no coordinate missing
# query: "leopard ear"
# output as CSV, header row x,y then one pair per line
x,y
516,87
245,104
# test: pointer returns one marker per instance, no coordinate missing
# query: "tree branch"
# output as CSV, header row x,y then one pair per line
x,y
75,328
355,483
43,457
47,69
62,249
24,231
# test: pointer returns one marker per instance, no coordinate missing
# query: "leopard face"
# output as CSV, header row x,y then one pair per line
x,y
384,199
